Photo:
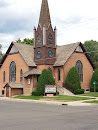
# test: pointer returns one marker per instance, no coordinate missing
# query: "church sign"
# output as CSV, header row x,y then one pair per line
x,y
50,90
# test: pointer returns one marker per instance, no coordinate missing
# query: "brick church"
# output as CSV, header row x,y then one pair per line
x,y
22,64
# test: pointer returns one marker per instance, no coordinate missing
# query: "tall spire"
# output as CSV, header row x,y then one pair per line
x,y
44,15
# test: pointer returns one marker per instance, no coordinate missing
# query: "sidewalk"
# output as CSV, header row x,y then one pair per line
x,y
71,103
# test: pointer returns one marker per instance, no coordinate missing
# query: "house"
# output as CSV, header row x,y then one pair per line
x,y
22,64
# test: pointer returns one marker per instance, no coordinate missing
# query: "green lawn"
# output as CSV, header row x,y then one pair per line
x,y
93,94
94,101
29,97
59,98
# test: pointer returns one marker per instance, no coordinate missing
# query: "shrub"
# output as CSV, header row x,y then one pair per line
x,y
94,78
72,80
79,91
45,78
92,89
35,93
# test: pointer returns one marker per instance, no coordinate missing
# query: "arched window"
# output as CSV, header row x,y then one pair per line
x,y
12,72
4,76
50,39
79,68
21,74
59,74
50,69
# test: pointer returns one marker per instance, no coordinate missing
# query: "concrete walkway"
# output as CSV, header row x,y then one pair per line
x,y
71,103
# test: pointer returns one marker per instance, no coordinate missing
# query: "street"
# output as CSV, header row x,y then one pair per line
x,y
34,116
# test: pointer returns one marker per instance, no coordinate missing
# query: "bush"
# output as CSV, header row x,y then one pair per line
x,y
35,93
94,78
45,78
92,89
72,80
79,91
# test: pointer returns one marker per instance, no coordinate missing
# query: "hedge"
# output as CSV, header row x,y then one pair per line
x,y
79,91
92,89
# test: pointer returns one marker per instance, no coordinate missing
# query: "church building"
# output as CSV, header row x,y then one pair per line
x,y
22,64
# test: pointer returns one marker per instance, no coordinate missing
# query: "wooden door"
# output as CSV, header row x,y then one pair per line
x,y
7,91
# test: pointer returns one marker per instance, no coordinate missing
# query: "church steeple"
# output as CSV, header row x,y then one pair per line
x,y
44,15
44,38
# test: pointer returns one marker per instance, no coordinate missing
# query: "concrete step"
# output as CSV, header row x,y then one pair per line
x,y
64,91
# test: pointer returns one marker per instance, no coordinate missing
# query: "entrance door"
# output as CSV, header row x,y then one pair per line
x,y
7,91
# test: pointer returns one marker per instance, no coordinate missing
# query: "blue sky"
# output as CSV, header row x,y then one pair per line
x,y
76,20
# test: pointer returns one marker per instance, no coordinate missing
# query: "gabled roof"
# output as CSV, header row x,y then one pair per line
x,y
44,15
14,85
63,53
26,51
32,72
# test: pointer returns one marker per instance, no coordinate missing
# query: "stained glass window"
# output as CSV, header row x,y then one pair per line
x,y
12,73
79,68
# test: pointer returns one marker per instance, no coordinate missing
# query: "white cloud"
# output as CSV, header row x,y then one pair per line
x,y
76,20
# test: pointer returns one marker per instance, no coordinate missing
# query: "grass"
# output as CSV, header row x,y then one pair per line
x,y
59,98
94,101
29,97
93,94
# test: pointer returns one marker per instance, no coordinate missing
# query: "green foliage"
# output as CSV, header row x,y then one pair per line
x,y
96,65
35,93
79,91
92,46
72,80
45,78
94,78
1,54
26,41
92,89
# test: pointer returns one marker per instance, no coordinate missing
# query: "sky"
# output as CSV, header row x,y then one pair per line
x,y
76,20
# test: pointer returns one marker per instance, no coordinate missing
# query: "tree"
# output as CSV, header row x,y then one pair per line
x,y
72,81
94,79
1,54
92,49
45,78
26,41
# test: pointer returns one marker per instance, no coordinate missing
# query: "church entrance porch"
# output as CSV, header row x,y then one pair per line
x,y
12,89
30,81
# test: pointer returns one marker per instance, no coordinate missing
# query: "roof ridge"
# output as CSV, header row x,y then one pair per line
x,y
69,44
22,44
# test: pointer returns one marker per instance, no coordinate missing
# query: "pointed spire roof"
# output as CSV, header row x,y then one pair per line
x,y
44,15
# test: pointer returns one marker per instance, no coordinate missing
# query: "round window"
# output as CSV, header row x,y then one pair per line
x,y
38,54
50,53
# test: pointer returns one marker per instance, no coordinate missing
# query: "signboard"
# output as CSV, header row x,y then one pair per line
x,y
50,89
94,83
28,81
49,95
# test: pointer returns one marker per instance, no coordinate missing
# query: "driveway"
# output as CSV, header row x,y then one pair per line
x,y
37,116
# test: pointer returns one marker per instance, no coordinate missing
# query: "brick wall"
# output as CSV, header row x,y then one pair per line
x,y
20,64
16,91
87,70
